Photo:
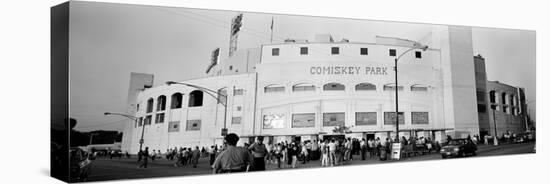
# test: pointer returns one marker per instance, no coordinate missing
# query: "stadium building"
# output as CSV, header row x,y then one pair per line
x,y
304,90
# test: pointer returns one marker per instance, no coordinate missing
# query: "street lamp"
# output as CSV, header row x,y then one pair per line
x,y
135,119
415,45
495,137
213,94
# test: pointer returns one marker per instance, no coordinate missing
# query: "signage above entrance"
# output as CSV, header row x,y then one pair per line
x,y
348,70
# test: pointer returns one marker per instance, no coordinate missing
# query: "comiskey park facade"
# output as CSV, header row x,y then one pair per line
x,y
302,90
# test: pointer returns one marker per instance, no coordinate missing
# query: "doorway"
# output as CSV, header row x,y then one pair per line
x,y
370,136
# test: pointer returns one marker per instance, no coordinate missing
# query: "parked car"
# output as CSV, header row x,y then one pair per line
x,y
458,148
80,165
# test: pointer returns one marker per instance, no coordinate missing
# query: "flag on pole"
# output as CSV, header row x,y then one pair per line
x,y
271,38
272,23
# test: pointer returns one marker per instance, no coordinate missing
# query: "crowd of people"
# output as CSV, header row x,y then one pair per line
x,y
284,154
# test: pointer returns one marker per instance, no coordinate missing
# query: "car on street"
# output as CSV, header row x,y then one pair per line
x,y
458,148
80,165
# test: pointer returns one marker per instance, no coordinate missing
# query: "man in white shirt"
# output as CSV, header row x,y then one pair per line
x,y
363,146
332,152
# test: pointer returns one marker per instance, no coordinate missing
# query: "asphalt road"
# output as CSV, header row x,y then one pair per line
x,y
115,169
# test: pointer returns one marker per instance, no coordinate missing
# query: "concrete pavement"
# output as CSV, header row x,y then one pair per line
x,y
107,169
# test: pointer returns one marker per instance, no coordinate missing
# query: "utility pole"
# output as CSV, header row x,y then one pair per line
x,y
495,137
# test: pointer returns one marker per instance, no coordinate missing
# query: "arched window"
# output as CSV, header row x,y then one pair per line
x,y
274,88
334,87
419,87
176,101
161,103
303,87
365,87
504,99
492,96
195,98
150,105
391,87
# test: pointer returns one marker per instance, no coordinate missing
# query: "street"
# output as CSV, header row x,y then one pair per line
x,y
107,169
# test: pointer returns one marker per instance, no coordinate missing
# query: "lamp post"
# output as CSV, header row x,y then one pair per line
x,y
415,45
495,137
213,94
135,119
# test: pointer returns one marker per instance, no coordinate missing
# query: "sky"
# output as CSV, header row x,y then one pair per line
x,y
108,41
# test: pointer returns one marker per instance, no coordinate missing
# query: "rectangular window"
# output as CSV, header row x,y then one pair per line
x,y
147,120
303,88
365,118
481,108
505,109
174,126
237,92
193,125
303,50
389,118
364,51
236,120
480,96
137,107
391,88
159,118
419,88
393,52
335,50
303,120
275,51
239,108
418,54
271,89
274,121
334,119
419,118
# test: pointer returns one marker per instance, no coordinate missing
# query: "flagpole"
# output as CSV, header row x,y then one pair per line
x,y
271,39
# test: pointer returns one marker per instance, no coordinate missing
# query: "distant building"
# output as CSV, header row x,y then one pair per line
x,y
303,90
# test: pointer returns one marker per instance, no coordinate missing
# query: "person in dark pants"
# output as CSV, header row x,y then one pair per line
x,y
363,145
212,153
140,155
259,151
145,156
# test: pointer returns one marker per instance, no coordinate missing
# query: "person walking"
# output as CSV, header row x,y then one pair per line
x,y
278,154
332,152
363,146
212,155
145,156
314,150
259,151
140,155
293,155
324,154
195,155
233,158
347,150
304,153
